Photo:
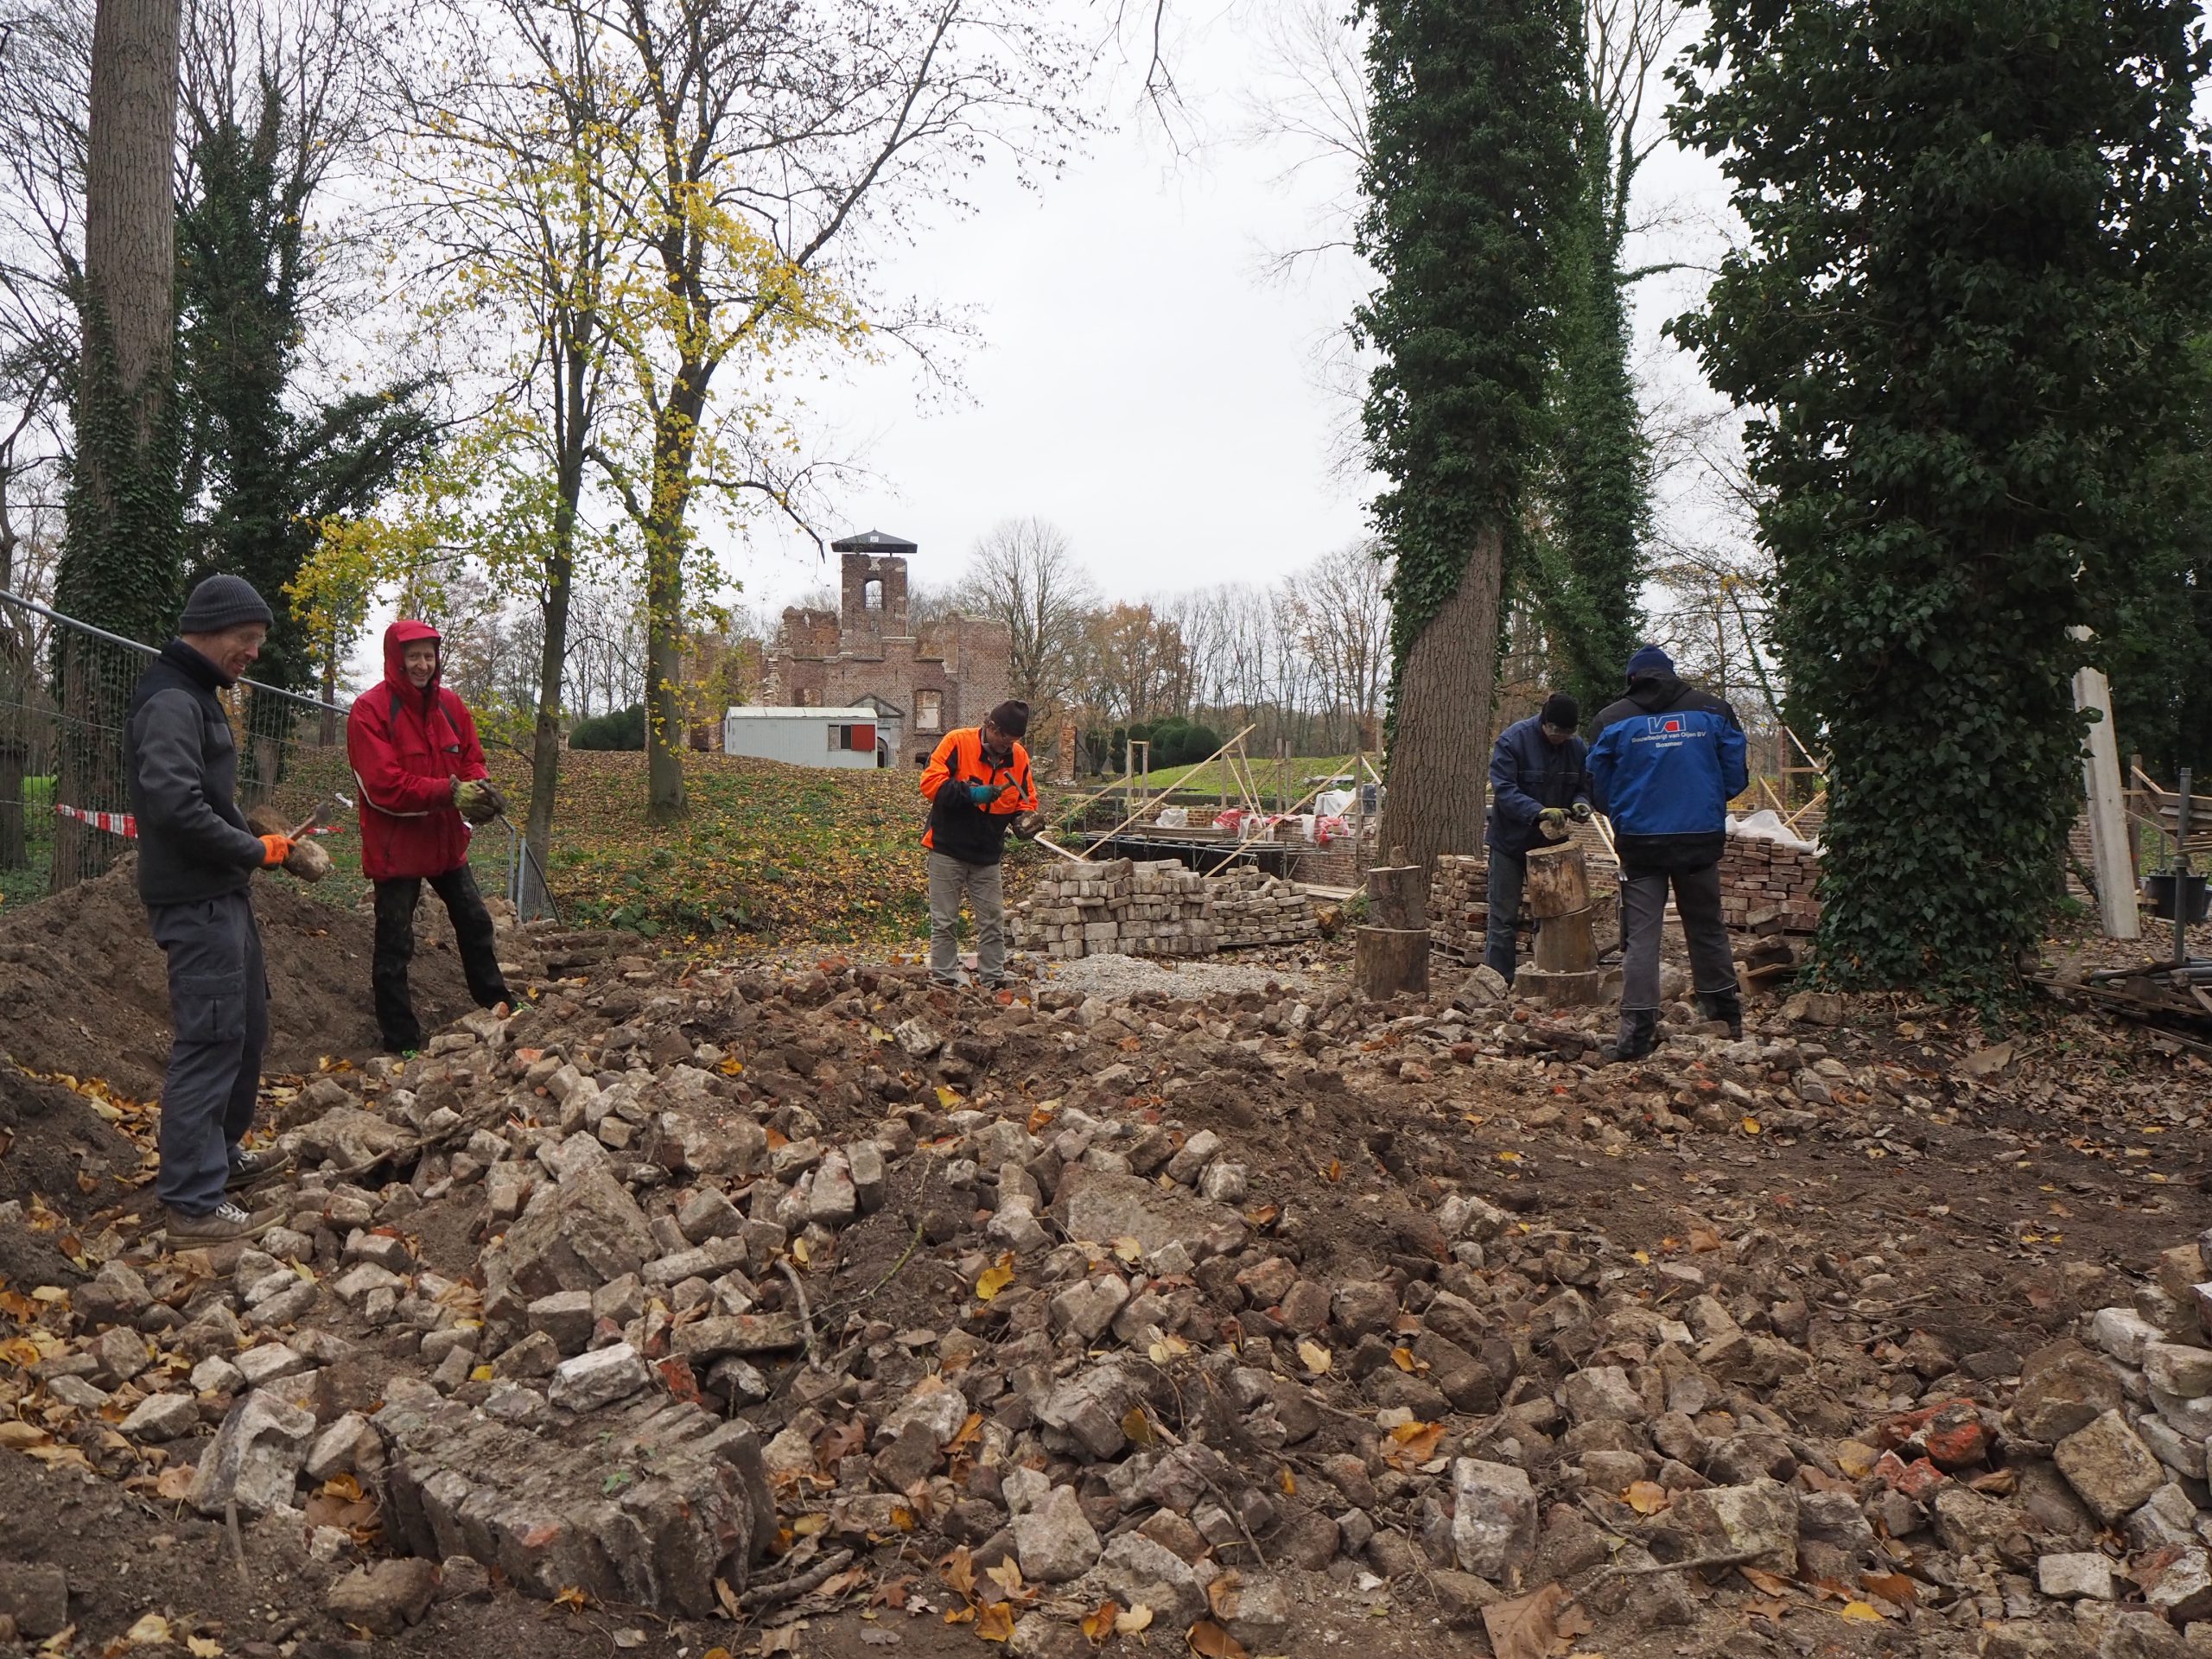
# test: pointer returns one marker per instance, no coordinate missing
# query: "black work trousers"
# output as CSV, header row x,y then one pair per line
x,y
472,925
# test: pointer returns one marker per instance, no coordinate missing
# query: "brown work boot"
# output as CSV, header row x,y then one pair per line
x,y
225,1225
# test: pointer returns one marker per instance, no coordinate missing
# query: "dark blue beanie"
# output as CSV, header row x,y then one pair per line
x,y
1648,660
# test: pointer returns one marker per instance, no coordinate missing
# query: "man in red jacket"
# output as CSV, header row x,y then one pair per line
x,y
414,750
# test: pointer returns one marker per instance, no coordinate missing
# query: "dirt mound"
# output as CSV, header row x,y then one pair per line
x,y
84,989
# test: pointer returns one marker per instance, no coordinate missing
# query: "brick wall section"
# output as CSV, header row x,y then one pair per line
x,y
1764,888
1118,906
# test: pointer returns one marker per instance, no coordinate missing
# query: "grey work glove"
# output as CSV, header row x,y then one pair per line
x,y
1580,812
1552,821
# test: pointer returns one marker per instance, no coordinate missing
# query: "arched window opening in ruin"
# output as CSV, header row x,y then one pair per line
x,y
872,596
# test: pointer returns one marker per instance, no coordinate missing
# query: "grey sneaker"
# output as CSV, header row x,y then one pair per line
x,y
251,1168
225,1225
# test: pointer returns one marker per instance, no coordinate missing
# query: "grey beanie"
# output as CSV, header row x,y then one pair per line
x,y
222,602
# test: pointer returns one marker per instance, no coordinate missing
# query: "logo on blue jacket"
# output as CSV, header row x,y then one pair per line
x,y
1658,728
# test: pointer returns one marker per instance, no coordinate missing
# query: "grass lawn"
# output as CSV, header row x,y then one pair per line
x,y
769,853
1212,776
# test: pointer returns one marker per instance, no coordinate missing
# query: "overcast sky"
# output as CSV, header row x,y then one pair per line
x,y
1140,379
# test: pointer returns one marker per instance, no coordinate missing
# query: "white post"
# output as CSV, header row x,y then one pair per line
x,y
2110,854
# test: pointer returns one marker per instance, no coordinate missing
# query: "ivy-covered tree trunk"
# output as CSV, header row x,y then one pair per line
x,y
676,429
1471,167
1976,230
1590,570
119,564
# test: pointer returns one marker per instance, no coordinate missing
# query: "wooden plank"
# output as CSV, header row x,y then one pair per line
x,y
2110,856
1153,800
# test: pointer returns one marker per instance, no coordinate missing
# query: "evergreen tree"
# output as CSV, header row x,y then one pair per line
x,y
258,476
1975,260
1471,168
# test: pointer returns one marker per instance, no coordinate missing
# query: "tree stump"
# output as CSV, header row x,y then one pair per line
x,y
1559,881
1391,953
1566,945
1397,897
1388,961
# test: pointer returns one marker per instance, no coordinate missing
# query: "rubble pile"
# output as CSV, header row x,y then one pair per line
x,y
1117,907
1251,908
724,1292
1767,888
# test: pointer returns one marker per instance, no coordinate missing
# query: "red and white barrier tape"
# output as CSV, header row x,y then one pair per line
x,y
126,824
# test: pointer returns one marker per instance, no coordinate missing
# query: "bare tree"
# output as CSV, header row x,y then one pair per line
x,y
1340,606
1023,573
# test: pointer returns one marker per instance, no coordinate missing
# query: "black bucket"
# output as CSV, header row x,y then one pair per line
x,y
2159,889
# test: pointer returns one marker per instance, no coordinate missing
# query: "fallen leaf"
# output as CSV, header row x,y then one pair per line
x,y
1315,1357
1892,1587
572,1597
1210,1640
958,1572
1288,1481
203,1647
995,1621
1647,1497
1225,1593
1102,1624
1864,1612
992,1279
1136,1427
1766,1583
1008,1576
1539,1625
18,1436
1404,1360
175,1483
1335,1172
1751,1126
780,1640
150,1631
1135,1622
1129,1251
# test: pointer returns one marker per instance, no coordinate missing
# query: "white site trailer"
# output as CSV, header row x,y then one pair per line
x,y
845,739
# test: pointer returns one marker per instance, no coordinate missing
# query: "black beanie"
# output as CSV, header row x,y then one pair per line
x,y
1561,712
222,602
1012,717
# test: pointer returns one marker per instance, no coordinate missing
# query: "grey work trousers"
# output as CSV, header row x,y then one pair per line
x,y
218,1005
985,888
1508,875
1697,900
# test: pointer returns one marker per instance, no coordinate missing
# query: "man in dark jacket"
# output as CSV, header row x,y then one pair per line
x,y
422,782
1665,762
978,787
196,859
1537,783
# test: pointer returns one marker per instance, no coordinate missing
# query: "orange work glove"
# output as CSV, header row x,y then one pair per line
x,y
275,850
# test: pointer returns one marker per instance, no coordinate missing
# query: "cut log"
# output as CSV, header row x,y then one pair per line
x,y
1559,881
1389,962
1561,990
1397,897
1565,945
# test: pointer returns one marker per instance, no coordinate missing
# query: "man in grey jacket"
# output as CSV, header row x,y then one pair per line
x,y
196,859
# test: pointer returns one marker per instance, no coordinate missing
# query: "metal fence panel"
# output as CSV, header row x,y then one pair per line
x,y
64,687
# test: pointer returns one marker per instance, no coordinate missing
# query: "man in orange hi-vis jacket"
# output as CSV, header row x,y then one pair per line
x,y
977,785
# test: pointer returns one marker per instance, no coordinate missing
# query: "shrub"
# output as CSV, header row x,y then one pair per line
x,y
624,728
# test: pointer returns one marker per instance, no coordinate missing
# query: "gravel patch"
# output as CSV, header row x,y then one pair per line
x,y
1118,975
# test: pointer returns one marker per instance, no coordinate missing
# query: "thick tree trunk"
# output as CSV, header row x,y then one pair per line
x,y
130,197
1439,752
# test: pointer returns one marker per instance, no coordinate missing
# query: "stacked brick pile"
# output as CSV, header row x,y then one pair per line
x,y
1458,907
1117,907
1252,908
1766,887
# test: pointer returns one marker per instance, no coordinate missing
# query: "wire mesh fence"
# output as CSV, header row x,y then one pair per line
x,y
65,688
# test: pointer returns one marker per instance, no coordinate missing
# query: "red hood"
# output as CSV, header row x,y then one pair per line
x,y
397,637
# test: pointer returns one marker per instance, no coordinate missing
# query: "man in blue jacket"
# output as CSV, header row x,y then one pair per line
x,y
1537,782
1664,763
